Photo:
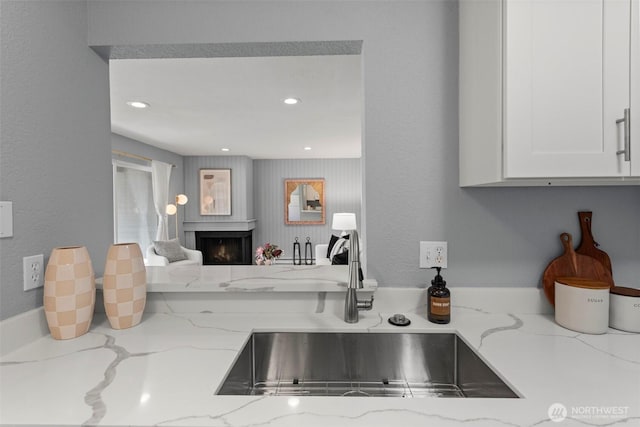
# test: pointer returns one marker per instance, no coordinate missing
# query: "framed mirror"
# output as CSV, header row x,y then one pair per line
x,y
304,201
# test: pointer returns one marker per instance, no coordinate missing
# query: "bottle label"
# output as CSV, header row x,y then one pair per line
x,y
440,306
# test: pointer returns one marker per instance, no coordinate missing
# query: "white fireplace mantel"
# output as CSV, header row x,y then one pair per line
x,y
224,225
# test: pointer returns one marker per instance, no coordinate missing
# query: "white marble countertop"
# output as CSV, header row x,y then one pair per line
x,y
249,278
166,370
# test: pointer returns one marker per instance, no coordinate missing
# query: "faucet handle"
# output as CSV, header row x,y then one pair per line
x,y
365,304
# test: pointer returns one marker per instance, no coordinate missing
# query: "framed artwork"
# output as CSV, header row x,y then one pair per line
x,y
215,191
304,201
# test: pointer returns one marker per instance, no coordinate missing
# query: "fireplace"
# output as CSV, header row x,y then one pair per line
x,y
225,247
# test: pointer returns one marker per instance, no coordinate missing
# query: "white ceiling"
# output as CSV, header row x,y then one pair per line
x,y
200,105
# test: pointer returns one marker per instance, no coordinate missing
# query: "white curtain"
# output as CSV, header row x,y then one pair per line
x,y
160,174
135,215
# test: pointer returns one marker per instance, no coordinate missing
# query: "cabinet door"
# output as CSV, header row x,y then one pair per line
x,y
635,88
566,84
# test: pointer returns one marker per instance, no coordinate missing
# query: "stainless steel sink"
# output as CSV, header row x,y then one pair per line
x,y
361,364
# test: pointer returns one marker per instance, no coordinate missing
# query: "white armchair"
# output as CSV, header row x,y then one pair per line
x,y
194,257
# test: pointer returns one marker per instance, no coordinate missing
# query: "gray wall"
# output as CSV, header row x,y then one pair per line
x,y
410,54
55,121
176,183
343,193
54,141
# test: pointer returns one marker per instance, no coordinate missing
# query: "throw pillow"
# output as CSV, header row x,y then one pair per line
x,y
341,259
332,243
170,249
341,246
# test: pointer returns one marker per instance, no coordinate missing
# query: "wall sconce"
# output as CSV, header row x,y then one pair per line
x,y
172,209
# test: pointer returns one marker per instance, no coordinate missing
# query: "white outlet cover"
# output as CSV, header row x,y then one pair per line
x,y
433,254
33,271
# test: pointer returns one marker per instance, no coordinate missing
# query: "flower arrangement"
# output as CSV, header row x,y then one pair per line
x,y
266,255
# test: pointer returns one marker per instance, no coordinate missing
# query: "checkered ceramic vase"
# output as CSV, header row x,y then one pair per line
x,y
124,285
69,292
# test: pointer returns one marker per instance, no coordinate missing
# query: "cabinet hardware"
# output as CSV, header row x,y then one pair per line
x,y
627,134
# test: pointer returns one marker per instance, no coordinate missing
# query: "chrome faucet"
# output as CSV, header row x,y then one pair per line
x,y
351,304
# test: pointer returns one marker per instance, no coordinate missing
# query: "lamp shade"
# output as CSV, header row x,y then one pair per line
x,y
171,209
181,199
344,221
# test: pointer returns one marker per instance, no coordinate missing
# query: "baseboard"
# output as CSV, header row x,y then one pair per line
x,y
22,329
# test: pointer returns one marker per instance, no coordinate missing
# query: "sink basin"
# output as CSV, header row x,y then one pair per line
x,y
361,364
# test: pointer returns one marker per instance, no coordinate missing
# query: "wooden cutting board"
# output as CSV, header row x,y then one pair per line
x,y
588,246
572,264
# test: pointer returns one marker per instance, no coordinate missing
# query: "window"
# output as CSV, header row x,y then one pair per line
x,y
134,214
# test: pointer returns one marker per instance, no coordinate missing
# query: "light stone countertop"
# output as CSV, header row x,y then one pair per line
x,y
249,278
166,370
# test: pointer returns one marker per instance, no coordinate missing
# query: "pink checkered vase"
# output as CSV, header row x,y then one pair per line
x,y
69,292
124,285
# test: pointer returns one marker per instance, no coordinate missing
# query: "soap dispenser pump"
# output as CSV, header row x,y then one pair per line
x,y
439,301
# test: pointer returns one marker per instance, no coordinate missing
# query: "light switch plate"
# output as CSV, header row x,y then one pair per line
x,y
6,219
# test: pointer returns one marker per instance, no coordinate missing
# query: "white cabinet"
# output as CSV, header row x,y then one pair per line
x,y
543,84
635,88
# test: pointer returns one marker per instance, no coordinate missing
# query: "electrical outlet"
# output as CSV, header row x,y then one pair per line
x,y
433,254
33,271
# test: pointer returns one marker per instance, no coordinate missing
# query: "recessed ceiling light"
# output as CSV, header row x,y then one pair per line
x,y
291,101
307,148
137,104
224,149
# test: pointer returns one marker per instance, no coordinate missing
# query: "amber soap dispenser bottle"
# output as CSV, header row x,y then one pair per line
x,y
439,301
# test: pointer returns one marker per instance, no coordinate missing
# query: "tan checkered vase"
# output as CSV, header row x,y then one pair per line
x,y
124,285
69,292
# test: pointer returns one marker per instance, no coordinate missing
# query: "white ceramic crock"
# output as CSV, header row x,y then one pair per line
x,y
624,310
582,305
